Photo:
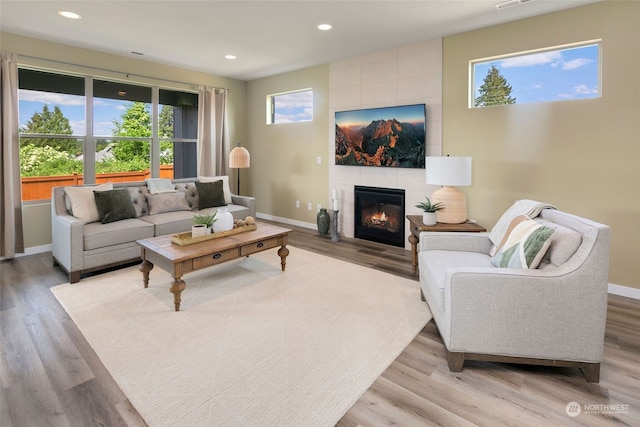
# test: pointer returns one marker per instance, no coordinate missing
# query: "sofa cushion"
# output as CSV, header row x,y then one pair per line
x,y
434,265
97,235
190,193
139,199
210,194
114,205
225,185
167,202
82,202
523,245
170,222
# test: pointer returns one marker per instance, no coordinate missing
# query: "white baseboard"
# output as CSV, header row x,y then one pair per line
x,y
624,291
302,224
33,250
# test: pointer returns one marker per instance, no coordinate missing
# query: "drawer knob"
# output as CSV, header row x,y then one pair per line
x,y
260,244
217,256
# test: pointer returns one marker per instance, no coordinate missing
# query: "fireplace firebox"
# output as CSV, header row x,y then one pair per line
x,y
379,215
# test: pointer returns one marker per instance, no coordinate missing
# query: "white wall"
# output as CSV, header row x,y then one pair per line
x,y
407,75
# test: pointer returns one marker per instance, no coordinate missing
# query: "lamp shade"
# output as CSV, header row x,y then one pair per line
x,y
450,171
239,158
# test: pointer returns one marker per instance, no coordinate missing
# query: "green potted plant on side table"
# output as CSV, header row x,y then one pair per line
x,y
202,224
430,209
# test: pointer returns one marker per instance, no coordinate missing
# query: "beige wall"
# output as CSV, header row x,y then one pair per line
x,y
284,156
34,52
581,156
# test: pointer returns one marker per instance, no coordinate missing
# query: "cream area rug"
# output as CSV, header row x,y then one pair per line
x,y
251,345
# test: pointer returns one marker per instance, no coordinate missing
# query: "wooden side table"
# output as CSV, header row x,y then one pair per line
x,y
416,225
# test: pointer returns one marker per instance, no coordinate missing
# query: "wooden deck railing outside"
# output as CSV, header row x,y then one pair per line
x,y
39,187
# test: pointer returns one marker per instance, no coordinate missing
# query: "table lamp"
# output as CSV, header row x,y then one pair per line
x,y
449,172
239,157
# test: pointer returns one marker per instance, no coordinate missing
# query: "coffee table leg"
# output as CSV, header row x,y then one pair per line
x,y
145,267
177,287
283,252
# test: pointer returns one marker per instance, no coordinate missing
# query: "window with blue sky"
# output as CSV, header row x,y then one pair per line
x,y
290,107
556,74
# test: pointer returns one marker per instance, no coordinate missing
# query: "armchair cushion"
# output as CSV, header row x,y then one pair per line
x,y
524,244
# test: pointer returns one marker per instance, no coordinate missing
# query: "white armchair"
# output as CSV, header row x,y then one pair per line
x,y
553,315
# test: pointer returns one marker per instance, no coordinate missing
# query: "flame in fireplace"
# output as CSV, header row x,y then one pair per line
x,y
379,219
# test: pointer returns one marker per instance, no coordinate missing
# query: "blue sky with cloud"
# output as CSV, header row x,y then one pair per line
x,y
557,75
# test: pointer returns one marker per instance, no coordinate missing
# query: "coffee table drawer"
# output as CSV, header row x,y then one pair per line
x,y
259,246
215,258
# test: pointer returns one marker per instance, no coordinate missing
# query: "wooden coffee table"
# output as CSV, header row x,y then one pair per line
x,y
178,260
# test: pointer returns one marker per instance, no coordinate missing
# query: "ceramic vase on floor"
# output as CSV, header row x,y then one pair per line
x,y
323,220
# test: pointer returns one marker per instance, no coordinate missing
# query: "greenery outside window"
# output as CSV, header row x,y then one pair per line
x,y
290,107
130,129
560,73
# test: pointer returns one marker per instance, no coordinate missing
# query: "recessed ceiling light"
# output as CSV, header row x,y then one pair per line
x,y
230,56
324,27
68,14
122,93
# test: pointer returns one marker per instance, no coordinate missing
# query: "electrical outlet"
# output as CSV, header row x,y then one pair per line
x,y
297,203
319,160
309,206
319,207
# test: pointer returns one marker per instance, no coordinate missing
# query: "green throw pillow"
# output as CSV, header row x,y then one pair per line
x,y
114,205
211,194
525,243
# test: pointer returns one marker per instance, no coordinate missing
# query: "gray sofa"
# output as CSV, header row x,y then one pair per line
x,y
80,247
551,315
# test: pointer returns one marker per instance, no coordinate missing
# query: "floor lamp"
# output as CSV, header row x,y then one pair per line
x,y
449,172
239,158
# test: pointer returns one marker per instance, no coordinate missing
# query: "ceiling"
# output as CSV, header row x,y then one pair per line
x,y
267,37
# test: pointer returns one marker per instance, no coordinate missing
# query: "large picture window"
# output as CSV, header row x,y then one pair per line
x,y
556,74
59,146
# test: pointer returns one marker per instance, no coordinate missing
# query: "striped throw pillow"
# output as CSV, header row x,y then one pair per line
x,y
523,245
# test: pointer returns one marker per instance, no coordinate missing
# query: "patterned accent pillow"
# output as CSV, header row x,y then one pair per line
x,y
167,202
524,244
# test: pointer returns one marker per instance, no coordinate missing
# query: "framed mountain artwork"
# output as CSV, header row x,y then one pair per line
x,y
382,137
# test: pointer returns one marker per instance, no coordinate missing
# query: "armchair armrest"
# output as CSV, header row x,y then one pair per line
x,y
247,201
455,241
558,314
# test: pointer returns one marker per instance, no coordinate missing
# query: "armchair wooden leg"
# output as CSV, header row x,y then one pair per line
x,y
591,372
455,361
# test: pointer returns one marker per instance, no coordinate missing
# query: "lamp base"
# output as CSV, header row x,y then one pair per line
x,y
455,205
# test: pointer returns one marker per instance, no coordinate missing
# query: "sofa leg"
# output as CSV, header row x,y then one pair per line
x,y
74,277
422,296
455,361
591,372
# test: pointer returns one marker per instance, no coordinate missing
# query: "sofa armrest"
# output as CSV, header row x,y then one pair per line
x,y
247,201
455,241
66,234
557,314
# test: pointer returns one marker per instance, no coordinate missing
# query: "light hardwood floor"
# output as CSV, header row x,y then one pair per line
x,y
50,376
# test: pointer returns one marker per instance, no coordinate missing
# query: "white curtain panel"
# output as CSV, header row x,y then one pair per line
x,y
213,138
11,237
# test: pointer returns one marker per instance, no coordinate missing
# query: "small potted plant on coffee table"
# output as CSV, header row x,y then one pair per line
x,y
202,224
430,209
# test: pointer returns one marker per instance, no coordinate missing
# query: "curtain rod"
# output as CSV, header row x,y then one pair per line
x,y
126,75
